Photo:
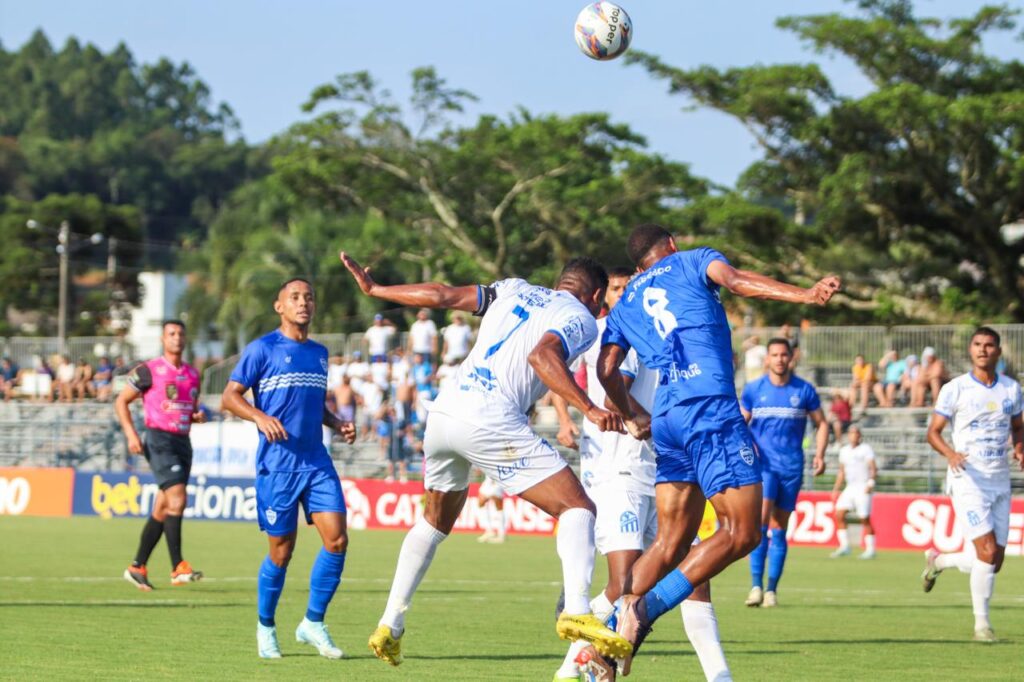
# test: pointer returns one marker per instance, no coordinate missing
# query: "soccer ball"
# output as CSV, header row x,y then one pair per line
x,y
603,30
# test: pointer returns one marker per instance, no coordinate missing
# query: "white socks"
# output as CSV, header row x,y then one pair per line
x,y
844,538
869,543
962,561
413,561
575,543
601,607
497,518
701,627
983,578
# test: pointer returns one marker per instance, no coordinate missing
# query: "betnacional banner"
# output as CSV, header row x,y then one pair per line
x,y
32,491
131,495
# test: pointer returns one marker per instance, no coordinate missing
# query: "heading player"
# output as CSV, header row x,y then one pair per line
x,y
984,408
527,336
776,407
169,388
287,373
672,315
857,469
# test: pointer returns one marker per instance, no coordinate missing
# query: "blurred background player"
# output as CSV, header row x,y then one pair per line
x,y
777,407
492,501
169,388
857,469
984,408
287,373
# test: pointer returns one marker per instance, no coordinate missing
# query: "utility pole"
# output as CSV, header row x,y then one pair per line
x,y
63,239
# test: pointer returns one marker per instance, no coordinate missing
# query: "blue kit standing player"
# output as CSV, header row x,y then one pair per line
x,y
287,373
776,407
672,315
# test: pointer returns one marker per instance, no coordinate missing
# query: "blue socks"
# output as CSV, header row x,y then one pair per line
x,y
667,594
268,590
757,558
323,581
776,557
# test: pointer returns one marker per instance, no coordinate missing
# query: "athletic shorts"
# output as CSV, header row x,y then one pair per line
x,y
510,453
782,488
626,520
857,500
489,489
279,493
169,456
979,509
706,441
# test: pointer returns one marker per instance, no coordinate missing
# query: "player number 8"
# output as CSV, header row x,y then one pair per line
x,y
656,305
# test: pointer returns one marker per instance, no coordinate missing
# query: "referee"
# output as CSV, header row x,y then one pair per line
x,y
169,388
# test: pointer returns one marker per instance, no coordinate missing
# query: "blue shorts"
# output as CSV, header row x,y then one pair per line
x,y
706,441
782,488
278,494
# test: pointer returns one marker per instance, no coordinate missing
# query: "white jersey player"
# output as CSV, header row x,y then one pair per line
x,y
857,469
619,474
527,336
984,408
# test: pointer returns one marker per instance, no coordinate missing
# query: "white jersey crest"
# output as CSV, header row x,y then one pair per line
x,y
980,416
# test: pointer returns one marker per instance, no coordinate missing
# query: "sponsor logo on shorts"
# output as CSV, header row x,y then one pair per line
x,y
507,472
271,516
629,523
176,468
747,454
973,518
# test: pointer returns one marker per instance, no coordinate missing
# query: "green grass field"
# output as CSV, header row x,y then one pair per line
x,y
484,612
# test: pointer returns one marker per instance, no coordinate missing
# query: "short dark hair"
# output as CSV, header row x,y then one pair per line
x,y
987,331
643,238
780,341
174,322
285,284
586,268
620,271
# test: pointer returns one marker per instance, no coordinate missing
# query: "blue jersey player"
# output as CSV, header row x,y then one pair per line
x,y
287,373
777,407
672,315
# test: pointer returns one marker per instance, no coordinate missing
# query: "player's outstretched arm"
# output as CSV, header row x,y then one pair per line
x,y
233,400
422,295
939,444
753,285
548,361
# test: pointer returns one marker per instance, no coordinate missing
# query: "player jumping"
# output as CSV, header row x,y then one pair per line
x,y
527,336
985,410
672,315
776,407
169,388
287,373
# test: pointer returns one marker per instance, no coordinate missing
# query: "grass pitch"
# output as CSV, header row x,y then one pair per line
x,y
484,612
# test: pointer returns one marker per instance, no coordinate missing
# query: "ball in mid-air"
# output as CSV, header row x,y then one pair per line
x,y
603,30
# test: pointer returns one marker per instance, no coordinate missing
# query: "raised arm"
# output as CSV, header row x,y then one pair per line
x,y
753,285
422,295
548,361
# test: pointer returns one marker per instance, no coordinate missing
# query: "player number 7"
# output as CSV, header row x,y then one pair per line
x,y
523,314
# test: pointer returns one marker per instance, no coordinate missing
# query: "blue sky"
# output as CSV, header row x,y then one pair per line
x,y
263,58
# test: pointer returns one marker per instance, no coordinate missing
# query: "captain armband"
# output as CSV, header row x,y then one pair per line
x,y
485,297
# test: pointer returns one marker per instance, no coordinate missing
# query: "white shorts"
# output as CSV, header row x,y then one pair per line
x,y
855,499
489,489
625,520
980,510
511,454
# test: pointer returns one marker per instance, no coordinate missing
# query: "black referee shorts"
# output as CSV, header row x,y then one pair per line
x,y
169,456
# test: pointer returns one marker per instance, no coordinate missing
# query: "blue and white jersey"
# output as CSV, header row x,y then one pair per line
x,y
672,316
779,420
981,417
288,381
496,378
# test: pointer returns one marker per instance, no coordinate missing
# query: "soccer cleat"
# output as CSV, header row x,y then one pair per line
x,y
385,646
984,635
755,597
486,537
841,552
496,539
184,574
315,634
588,627
266,641
593,667
868,554
770,600
633,626
930,572
138,577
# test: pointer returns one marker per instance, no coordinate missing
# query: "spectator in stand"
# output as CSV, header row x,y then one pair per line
x,y
336,369
103,379
378,338
66,380
358,370
863,380
457,336
400,368
82,386
345,400
423,335
8,377
787,332
380,373
910,375
754,355
423,377
121,367
840,415
931,377
446,373
892,369
371,397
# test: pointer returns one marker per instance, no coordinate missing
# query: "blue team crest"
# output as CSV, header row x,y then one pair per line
x,y
973,518
271,516
323,364
747,454
794,400
629,523
1007,406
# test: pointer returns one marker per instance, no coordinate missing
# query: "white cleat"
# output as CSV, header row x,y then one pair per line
x,y
316,634
841,552
486,537
755,597
266,641
984,635
868,554
769,600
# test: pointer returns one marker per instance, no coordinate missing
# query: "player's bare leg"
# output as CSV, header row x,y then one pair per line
x,y
680,509
323,582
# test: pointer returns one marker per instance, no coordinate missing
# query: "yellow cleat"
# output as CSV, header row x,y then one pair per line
x,y
587,627
385,647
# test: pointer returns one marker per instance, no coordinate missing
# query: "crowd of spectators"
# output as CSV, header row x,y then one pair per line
x,y
58,379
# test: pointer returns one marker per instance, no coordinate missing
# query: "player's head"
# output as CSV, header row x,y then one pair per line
x,y
586,279
296,302
618,278
780,354
172,336
648,243
985,349
853,435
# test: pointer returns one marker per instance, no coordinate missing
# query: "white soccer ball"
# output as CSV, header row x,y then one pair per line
x,y
603,30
